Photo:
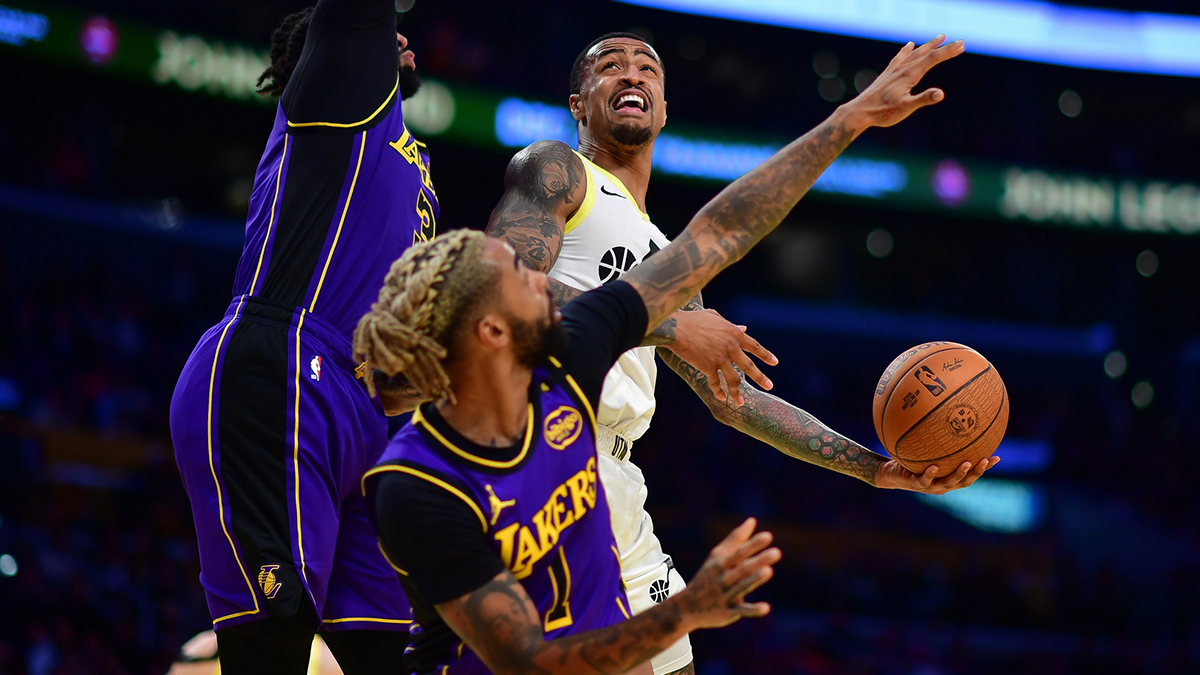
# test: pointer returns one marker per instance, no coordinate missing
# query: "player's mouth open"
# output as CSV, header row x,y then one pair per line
x,y
630,102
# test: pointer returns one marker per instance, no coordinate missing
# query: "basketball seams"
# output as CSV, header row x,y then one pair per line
x,y
1000,409
941,403
895,384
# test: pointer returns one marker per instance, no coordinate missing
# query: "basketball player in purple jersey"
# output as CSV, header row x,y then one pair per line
x,y
488,505
271,423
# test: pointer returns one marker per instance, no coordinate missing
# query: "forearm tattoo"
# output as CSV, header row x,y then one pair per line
x,y
741,215
781,425
501,624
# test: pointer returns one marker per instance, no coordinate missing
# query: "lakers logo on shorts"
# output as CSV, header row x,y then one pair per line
x,y
562,427
266,579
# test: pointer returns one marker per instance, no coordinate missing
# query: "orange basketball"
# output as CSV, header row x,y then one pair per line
x,y
940,403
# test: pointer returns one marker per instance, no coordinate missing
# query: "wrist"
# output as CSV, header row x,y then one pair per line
x,y
677,337
878,478
676,607
852,116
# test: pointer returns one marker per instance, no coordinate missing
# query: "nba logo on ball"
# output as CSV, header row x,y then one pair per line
x,y
314,367
927,377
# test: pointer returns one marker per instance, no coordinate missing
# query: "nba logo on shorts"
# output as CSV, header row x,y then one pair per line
x,y
315,367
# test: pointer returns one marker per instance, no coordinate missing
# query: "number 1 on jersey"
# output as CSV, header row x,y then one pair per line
x,y
559,614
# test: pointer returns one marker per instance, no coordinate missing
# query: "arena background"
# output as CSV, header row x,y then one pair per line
x,y
1045,214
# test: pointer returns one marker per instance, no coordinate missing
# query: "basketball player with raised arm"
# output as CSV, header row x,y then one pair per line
x,y
489,505
581,218
270,420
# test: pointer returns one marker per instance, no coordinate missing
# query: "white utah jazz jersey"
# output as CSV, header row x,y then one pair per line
x,y
605,238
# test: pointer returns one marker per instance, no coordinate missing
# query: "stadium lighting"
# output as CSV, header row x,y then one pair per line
x,y
1027,30
519,123
994,505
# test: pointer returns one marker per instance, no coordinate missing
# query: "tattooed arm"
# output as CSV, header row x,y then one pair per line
x,y
543,187
798,434
500,623
753,205
782,425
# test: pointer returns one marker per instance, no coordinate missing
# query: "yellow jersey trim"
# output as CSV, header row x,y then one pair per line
x,y
271,221
589,200
389,560
336,235
556,362
620,186
337,125
432,479
366,618
583,399
621,607
296,462
418,418
212,467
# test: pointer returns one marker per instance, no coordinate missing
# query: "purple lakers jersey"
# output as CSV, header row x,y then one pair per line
x,y
543,511
333,206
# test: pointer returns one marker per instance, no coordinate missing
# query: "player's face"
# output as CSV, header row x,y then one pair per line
x,y
622,93
409,81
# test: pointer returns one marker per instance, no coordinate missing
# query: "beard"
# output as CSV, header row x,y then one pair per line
x,y
534,342
631,135
410,82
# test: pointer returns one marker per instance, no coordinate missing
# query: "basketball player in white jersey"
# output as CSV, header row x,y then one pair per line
x,y
581,218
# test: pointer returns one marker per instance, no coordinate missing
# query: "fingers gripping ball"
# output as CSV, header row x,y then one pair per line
x,y
940,403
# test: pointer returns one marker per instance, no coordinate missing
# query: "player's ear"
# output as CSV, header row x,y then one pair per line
x,y
493,331
575,103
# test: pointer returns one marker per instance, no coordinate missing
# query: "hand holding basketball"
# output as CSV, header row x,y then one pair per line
x,y
889,99
893,476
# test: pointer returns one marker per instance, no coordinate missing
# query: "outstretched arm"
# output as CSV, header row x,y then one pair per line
x,y
798,434
500,623
348,66
753,205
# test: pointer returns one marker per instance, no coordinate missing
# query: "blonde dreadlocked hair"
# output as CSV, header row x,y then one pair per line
x,y
426,294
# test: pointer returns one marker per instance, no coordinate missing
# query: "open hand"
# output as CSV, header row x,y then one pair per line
x,y
716,596
892,475
714,347
889,99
